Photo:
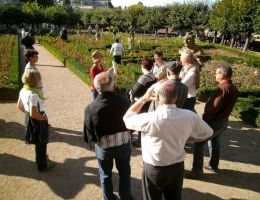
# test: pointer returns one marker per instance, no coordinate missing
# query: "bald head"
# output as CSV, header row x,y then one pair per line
x,y
104,82
167,92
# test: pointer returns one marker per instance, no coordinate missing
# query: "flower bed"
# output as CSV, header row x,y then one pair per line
x,y
9,67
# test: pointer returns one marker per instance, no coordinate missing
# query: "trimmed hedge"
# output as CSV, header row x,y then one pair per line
x,y
10,91
248,110
205,92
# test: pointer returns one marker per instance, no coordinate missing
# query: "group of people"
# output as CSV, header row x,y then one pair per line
x,y
30,102
160,106
161,109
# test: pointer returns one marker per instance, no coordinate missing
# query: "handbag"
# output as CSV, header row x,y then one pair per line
x,y
36,132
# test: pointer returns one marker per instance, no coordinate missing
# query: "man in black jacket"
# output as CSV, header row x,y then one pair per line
x,y
103,124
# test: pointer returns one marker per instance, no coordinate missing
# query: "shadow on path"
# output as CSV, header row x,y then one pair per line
x,y
65,179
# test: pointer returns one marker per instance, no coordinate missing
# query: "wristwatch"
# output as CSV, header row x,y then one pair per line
x,y
142,100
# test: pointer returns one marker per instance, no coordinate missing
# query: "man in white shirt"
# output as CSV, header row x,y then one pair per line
x,y
117,51
164,135
190,76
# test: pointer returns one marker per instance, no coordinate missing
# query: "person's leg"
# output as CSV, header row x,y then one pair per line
x,y
152,190
175,176
105,164
122,160
214,143
214,152
198,157
41,156
114,66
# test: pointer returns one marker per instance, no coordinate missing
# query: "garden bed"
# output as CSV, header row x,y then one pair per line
x,y
9,67
79,48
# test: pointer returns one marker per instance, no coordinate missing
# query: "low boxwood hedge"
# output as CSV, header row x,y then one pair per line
x,y
248,110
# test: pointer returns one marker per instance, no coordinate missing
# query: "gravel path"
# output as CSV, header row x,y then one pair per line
x,y
76,174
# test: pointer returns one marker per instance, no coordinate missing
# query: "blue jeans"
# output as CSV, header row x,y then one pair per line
x,y
105,158
213,144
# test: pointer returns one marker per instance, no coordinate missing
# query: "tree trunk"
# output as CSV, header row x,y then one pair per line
x,y
232,42
222,40
246,44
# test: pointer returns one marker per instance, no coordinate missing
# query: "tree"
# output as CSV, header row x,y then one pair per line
x,y
256,19
236,17
44,3
56,15
133,13
188,17
33,13
10,14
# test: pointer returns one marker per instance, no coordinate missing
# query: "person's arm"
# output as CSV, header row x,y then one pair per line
x,y
135,121
112,49
201,130
88,130
20,105
35,115
137,106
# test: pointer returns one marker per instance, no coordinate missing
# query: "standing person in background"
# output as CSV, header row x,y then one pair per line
x,y
117,50
23,33
164,135
31,103
173,72
159,67
190,76
97,68
139,89
32,57
27,41
64,34
216,113
104,125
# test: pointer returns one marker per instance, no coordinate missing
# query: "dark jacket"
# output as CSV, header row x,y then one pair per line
x,y
221,103
104,116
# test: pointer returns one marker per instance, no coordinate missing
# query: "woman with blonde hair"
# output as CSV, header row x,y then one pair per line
x,y
31,103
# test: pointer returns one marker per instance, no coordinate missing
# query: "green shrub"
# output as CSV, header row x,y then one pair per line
x,y
248,110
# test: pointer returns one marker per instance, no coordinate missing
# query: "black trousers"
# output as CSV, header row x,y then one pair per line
x,y
41,155
165,180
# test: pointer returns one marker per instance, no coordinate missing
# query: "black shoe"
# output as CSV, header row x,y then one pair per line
x,y
194,175
213,169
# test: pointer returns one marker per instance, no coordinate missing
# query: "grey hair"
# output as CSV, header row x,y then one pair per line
x,y
187,54
103,82
225,70
167,91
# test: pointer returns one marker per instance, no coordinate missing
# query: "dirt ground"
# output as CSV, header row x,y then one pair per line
x,y
76,174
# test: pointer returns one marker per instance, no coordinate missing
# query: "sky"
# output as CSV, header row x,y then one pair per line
x,y
124,3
